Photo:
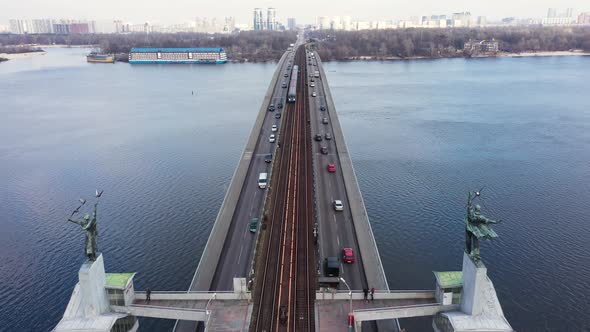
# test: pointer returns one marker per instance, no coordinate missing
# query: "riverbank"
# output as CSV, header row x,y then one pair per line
x,y
496,55
11,56
554,53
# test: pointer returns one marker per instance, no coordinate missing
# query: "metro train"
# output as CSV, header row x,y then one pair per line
x,y
292,95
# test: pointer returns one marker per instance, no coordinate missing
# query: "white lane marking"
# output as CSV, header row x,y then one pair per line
x,y
253,202
338,240
334,217
240,256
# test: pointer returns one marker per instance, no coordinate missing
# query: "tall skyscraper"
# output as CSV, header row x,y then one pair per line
x,y
271,21
291,23
258,20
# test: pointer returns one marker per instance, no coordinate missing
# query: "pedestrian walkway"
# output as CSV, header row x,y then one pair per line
x,y
333,314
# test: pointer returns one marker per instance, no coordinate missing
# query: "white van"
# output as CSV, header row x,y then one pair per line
x,y
262,180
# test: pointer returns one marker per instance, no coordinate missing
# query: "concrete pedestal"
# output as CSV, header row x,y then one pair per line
x,y
480,309
475,276
92,287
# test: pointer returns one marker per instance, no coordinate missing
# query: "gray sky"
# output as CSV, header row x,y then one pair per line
x,y
305,11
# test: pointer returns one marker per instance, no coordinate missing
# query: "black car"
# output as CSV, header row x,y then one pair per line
x,y
284,85
328,136
325,120
324,150
278,116
286,75
271,108
268,158
318,137
280,105
322,108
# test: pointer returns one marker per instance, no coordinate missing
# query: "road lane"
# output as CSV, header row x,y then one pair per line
x,y
240,241
330,186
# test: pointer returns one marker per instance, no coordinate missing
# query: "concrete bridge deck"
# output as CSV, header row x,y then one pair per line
x,y
228,311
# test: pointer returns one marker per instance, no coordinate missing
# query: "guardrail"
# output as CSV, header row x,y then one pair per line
x,y
162,312
418,310
193,296
379,295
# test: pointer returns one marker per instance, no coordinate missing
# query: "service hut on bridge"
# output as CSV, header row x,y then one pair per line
x,y
449,285
120,289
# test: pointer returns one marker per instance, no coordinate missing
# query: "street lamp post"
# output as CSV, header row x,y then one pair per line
x,y
349,294
207,312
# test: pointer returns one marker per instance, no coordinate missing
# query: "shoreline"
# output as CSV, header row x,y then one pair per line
x,y
12,56
498,55
544,53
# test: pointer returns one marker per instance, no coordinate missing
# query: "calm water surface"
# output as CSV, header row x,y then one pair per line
x,y
421,135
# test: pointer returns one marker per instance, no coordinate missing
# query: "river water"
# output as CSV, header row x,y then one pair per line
x,y
163,141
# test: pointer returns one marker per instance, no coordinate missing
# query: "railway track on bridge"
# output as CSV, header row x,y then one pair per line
x,y
285,279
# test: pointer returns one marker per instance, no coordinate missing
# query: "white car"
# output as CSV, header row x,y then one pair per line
x,y
338,205
273,128
272,138
313,94
312,84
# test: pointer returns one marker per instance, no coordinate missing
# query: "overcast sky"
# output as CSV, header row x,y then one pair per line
x,y
305,11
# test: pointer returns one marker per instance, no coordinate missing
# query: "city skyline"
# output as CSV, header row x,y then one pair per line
x,y
305,11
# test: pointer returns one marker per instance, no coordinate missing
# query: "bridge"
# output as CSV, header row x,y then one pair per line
x,y
275,258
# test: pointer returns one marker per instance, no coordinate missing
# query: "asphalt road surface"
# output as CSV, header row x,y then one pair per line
x,y
236,257
335,229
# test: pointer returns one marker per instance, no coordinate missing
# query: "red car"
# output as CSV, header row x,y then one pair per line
x,y
331,168
347,255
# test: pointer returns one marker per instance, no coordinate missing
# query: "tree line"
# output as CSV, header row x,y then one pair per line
x,y
421,42
242,46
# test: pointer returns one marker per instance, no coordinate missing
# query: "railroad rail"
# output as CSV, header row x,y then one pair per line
x,y
285,284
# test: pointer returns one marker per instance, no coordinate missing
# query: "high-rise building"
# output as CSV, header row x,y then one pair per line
x,y
584,18
323,23
335,23
258,20
291,23
481,21
462,19
346,23
17,26
230,24
561,18
41,26
271,20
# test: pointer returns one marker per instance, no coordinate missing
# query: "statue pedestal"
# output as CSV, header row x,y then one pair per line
x,y
473,297
92,287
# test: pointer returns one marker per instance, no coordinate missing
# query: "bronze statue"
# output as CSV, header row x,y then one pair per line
x,y
476,227
88,224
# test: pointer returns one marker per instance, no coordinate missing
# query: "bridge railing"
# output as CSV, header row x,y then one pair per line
x,y
193,296
379,295
418,310
166,312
